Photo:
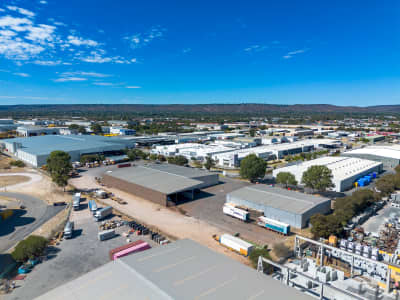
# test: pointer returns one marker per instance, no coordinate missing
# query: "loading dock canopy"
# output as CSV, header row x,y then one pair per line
x,y
181,270
156,179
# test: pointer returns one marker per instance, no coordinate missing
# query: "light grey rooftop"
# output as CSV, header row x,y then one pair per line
x,y
159,179
283,199
47,143
182,270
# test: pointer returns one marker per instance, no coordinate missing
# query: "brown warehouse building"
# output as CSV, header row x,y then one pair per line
x,y
164,184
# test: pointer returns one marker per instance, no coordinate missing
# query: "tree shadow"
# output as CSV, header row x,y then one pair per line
x,y
17,219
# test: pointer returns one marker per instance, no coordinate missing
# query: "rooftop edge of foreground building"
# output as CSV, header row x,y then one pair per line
x,y
181,270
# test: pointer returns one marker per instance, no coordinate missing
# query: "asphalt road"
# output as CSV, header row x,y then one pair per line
x,y
25,221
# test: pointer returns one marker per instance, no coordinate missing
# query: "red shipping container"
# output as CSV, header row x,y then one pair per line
x,y
137,248
116,250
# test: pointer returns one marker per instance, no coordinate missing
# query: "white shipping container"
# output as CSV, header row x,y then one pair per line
x,y
236,244
235,212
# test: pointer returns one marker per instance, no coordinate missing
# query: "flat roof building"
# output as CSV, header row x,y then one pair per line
x,y
345,170
165,184
290,207
35,150
180,271
388,155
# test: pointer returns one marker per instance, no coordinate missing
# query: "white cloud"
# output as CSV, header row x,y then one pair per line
x,y
22,74
47,62
186,50
142,39
255,48
82,73
133,87
78,41
22,11
295,52
41,34
43,2
104,83
24,41
67,79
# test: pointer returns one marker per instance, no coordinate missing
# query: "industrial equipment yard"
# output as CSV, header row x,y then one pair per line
x,y
73,257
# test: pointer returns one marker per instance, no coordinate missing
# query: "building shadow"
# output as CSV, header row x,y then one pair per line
x,y
17,219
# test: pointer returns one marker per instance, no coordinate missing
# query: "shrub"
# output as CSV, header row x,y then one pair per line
x,y
256,253
17,163
29,248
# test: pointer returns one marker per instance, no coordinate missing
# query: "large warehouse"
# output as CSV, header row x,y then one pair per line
x,y
181,270
290,207
388,155
164,184
345,170
35,150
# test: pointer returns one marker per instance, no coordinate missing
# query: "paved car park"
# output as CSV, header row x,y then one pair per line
x,y
72,258
208,204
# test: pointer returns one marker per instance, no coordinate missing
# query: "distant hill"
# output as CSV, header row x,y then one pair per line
x,y
250,108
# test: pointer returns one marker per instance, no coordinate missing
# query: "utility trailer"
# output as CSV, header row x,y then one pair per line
x,y
273,225
92,206
231,210
102,213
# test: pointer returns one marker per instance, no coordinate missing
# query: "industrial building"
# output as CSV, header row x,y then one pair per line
x,y
36,130
290,207
181,270
165,184
388,155
345,170
35,150
233,158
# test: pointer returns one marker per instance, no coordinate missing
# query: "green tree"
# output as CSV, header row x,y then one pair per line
x,y
96,128
209,163
252,132
252,167
73,127
388,183
178,160
31,247
82,130
153,156
161,157
132,155
59,167
286,178
318,178
263,252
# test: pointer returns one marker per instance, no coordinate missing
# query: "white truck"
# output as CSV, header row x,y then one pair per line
x,y
100,214
76,201
235,212
69,230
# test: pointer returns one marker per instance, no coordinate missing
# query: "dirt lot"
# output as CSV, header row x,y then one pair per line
x,y
11,180
5,165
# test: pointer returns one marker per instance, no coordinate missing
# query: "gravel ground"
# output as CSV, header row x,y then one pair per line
x,y
72,258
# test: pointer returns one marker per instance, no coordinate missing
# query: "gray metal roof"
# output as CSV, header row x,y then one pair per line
x,y
47,143
178,170
182,270
151,178
279,198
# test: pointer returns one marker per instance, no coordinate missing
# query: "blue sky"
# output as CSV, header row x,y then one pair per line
x,y
285,52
